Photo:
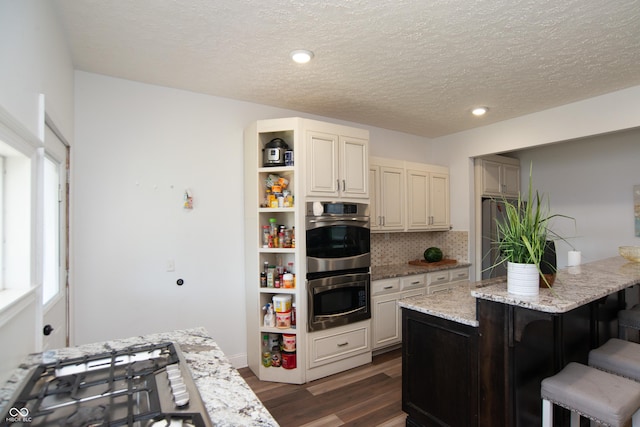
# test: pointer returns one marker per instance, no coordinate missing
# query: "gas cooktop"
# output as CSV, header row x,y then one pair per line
x,y
146,385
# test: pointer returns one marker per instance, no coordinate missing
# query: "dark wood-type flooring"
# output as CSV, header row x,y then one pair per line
x,y
370,395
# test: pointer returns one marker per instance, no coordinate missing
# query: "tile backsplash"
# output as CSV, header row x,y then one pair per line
x,y
400,248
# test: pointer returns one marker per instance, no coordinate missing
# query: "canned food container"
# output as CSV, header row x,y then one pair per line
x,y
266,359
287,280
288,158
282,303
288,342
288,359
274,341
276,357
283,319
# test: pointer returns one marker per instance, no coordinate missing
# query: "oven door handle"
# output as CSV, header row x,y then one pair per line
x,y
337,221
331,316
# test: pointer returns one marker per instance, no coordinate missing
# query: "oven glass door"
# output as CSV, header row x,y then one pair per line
x,y
338,300
334,245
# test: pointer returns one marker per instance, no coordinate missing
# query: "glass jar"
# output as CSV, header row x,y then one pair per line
x,y
266,231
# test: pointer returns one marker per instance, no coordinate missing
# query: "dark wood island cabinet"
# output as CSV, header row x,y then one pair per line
x,y
439,387
476,355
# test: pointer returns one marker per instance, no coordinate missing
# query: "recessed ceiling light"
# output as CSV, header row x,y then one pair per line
x,y
479,111
301,56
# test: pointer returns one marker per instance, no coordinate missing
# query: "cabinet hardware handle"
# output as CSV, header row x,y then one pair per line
x,y
337,185
388,287
442,277
416,282
344,185
343,344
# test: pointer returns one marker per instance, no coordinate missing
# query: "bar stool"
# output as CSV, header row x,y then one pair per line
x,y
600,396
617,357
628,319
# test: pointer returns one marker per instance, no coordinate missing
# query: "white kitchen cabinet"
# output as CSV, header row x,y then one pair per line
x,y
427,198
408,196
323,154
387,204
337,164
338,349
499,176
386,328
442,280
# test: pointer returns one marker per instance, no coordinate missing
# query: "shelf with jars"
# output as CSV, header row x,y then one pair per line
x,y
275,344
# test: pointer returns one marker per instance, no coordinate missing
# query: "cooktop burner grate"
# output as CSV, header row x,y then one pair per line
x,y
129,387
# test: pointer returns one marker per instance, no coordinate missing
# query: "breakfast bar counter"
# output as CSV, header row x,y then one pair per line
x,y
573,287
226,396
497,347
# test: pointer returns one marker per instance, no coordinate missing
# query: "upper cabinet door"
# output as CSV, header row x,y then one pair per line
x,y
337,166
491,181
418,216
439,201
391,198
354,167
374,198
322,164
511,180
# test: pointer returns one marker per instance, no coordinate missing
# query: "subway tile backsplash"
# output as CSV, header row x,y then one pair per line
x,y
400,248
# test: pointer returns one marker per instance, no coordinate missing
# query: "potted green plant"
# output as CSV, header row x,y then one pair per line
x,y
523,238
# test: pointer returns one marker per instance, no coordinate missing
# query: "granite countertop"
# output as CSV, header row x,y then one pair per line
x,y
456,304
573,286
226,395
379,272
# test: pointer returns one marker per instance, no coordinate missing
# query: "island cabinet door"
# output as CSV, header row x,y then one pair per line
x,y
439,371
520,347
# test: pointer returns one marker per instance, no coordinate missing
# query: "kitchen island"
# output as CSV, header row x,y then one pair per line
x,y
227,397
476,355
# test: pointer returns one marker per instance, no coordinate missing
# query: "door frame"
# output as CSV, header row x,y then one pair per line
x,y
64,228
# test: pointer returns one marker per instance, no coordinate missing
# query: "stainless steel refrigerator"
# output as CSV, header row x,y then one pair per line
x,y
492,211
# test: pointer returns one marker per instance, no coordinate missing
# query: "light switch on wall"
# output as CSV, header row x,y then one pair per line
x,y
171,265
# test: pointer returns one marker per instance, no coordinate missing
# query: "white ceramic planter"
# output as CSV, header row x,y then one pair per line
x,y
523,279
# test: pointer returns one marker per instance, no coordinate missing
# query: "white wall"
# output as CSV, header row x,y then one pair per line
x,y
590,180
138,147
35,60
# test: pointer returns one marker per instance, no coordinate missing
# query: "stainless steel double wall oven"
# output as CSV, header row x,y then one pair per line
x,y
338,240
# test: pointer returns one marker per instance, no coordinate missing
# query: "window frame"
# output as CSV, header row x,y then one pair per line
x,y
17,139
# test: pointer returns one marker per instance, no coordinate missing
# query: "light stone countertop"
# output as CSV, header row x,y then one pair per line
x,y
227,397
379,272
456,304
573,286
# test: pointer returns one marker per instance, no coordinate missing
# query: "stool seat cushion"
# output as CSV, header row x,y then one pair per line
x,y
619,357
593,393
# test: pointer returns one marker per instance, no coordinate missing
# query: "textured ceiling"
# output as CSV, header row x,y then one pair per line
x,y
413,66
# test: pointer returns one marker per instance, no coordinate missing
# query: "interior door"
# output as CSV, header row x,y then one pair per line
x,y
55,243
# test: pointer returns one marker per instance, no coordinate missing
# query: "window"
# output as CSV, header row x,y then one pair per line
x,y
20,224
16,218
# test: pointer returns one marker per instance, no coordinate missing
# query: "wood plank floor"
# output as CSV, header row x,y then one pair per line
x,y
370,395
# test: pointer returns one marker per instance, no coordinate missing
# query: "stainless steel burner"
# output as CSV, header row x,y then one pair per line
x,y
138,386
